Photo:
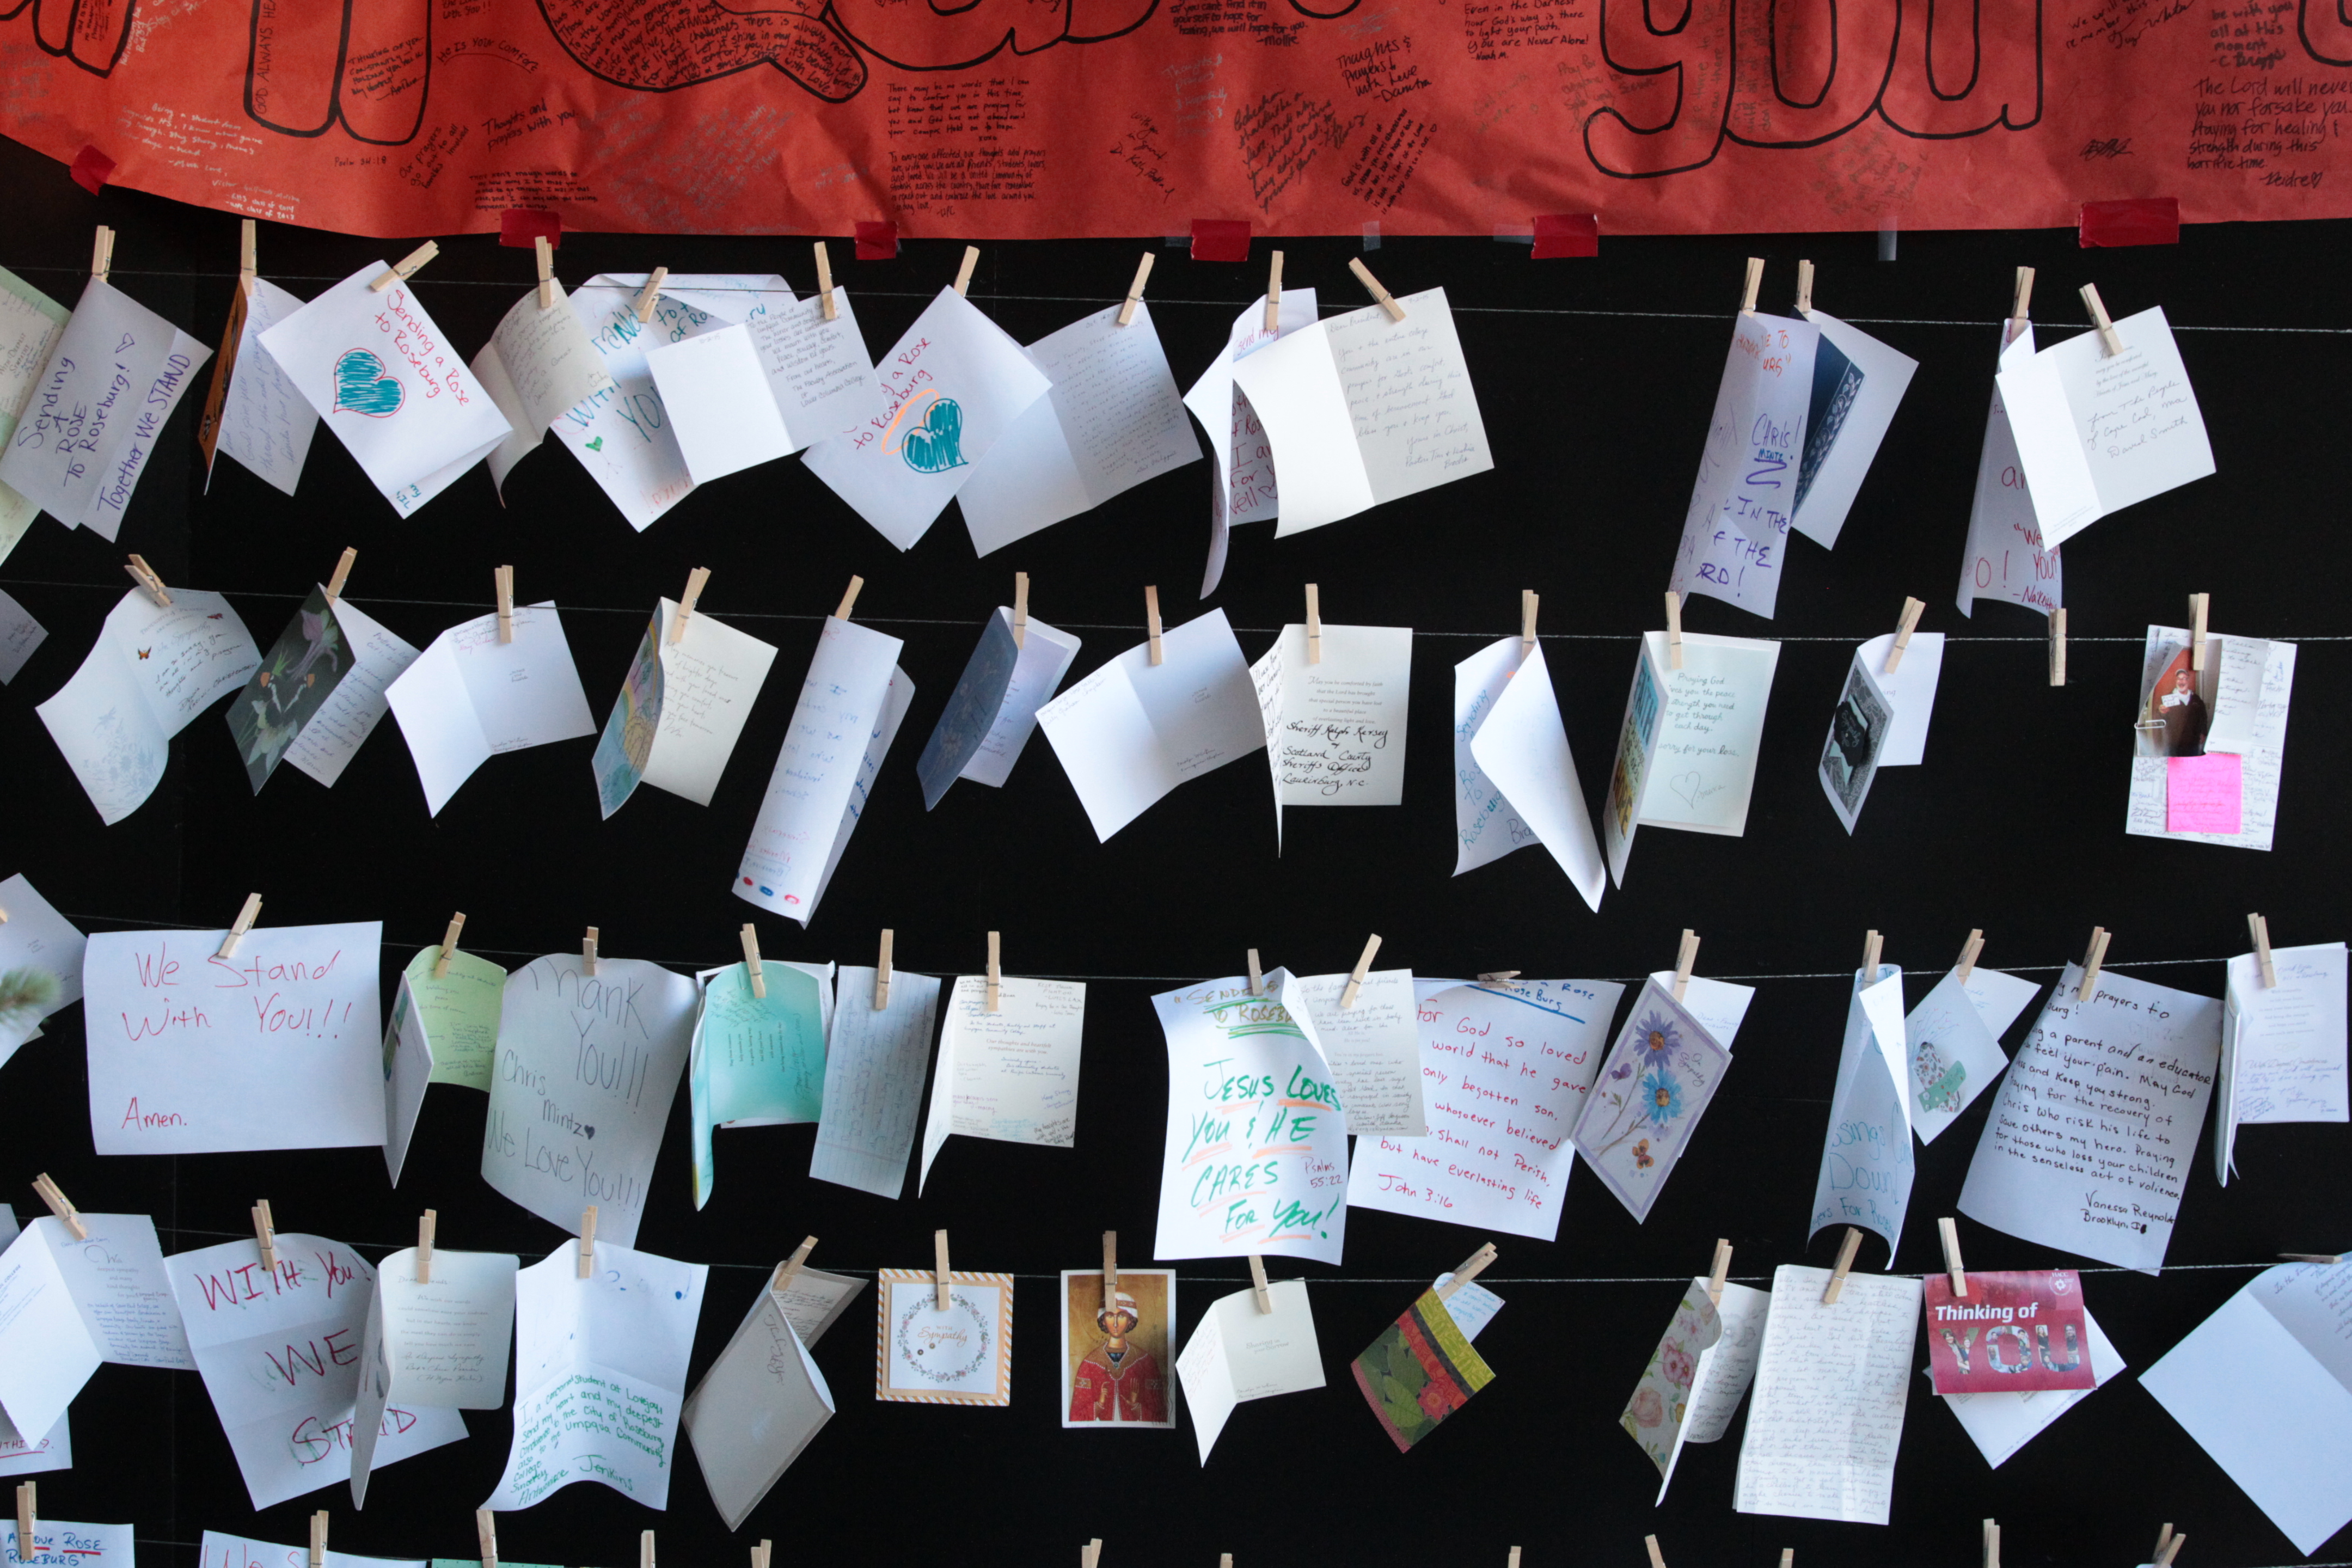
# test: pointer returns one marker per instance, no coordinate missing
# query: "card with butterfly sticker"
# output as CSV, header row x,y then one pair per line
x,y
1659,1077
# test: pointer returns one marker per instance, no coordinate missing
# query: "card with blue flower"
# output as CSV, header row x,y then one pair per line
x,y
1659,1076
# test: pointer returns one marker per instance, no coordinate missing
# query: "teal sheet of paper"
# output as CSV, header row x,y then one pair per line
x,y
754,1058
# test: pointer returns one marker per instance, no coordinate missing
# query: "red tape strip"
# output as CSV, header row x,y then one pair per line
x,y
1567,233
1221,240
877,241
2144,220
92,169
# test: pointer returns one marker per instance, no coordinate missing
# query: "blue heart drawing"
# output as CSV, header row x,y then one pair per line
x,y
362,386
937,443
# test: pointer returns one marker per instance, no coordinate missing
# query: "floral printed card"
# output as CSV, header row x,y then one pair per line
x,y
1660,1075
1421,1371
1698,1374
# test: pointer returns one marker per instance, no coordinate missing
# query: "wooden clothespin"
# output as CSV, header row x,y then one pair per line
x,y
545,252
1135,291
882,975
1356,975
995,976
144,575
2328,1259
1949,1230
424,1228
1258,1284
645,1548
1021,609
1110,1268
244,924
2171,1551
1721,1273
264,1234
2197,603
2260,929
319,1539
2110,341
1090,1554
28,1509
1804,288
941,1278
752,961
1528,602
587,1261
1846,1250
1497,976
1314,624
1673,630
1787,1557
400,271
1273,295
448,945
1755,281
1991,1544
1466,1270
1969,952
1151,622
1911,609
2058,647
848,599
502,580
486,1531
60,1205
825,284
963,273
2091,961
650,295
1258,979
341,575
789,1270
762,1554
248,256
685,603
1685,956
2163,1539
588,953
2019,302
1382,297
1513,1560
1872,945
1657,1558
102,254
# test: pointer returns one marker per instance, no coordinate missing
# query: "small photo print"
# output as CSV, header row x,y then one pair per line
x,y
2178,708
1857,734
1116,1369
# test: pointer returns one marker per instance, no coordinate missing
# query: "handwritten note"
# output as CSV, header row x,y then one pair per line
x,y
2096,433
850,706
265,422
600,1373
1867,1167
1373,1047
152,671
1832,1383
31,323
2090,1139
1505,1066
1256,1158
46,1352
272,1048
1335,729
115,1279
1955,1054
952,385
59,1543
2203,795
874,1081
220,1551
2282,1046
680,710
762,1403
753,1059
459,1013
1704,771
438,1343
280,1352
1240,452
2256,729
1112,420
1698,1374
623,434
1011,1075
2005,557
1736,528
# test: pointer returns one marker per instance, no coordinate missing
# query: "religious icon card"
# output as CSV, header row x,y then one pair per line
x,y
1116,1367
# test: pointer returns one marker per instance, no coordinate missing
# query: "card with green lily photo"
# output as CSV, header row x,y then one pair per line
x,y
1661,1073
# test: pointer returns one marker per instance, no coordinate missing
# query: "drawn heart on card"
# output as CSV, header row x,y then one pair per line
x,y
597,445
935,445
363,387
1685,787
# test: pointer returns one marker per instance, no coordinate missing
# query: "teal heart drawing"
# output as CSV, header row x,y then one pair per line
x,y
597,445
362,386
937,443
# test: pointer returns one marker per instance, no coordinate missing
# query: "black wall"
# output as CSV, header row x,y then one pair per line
x,y
1595,378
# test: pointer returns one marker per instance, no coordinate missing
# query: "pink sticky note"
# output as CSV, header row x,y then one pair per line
x,y
2200,793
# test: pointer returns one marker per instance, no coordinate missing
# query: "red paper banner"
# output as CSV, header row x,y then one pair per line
x,y
1033,119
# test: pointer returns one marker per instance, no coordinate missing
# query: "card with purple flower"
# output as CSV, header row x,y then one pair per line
x,y
1654,1086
